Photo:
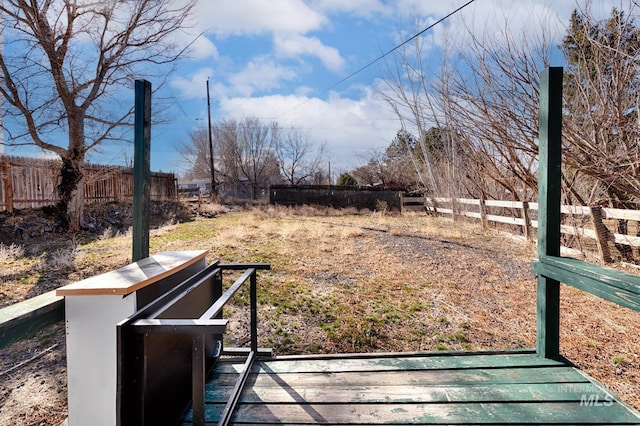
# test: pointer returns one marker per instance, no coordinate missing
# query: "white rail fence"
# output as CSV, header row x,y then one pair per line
x,y
582,226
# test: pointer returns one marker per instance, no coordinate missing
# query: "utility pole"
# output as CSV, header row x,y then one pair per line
x,y
211,164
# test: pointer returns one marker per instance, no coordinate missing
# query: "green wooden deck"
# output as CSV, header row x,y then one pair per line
x,y
429,388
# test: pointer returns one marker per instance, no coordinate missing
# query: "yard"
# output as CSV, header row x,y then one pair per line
x,y
340,282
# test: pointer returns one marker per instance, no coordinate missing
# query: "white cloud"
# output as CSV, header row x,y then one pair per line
x,y
295,30
291,46
525,18
247,17
202,49
350,128
260,74
364,8
191,86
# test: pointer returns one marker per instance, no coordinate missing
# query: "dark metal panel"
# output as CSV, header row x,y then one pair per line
x,y
166,389
129,390
149,365
160,363
180,326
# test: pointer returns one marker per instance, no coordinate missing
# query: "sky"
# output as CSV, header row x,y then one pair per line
x,y
285,61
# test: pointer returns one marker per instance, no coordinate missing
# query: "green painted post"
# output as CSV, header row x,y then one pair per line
x,y
141,170
549,191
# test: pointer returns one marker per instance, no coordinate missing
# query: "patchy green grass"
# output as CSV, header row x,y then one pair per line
x,y
370,283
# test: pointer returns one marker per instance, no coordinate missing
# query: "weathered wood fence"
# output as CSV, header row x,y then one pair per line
x,y
586,229
31,183
339,196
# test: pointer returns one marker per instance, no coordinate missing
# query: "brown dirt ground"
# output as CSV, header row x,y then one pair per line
x,y
476,291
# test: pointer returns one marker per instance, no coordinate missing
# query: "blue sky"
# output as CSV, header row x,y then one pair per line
x,y
277,59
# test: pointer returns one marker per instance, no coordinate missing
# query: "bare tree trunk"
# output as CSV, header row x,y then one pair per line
x,y
602,234
53,86
70,208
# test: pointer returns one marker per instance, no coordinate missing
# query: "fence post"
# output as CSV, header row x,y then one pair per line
x,y
483,213
549,192
141,170
7,184
526,228
602,234
454,208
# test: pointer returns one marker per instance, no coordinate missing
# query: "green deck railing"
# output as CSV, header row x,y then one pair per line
x,y
552,269
23,319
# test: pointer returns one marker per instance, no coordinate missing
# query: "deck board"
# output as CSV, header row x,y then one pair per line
x,y
496,388
404,363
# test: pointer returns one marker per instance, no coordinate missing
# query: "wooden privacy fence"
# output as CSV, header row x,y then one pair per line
x,y
31,183
584,228
339,196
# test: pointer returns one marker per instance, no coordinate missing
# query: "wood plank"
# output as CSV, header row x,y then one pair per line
x,y
629,240
408,354
625,214
286,393
471,201
25,318
395,364
416,378
607,283
504,219
609,276
581,232
134,276
424,414
141,170
575,210
506,204
549,217
445,211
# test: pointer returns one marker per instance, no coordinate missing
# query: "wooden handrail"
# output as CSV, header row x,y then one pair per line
x,y
23,319
607,283
552,269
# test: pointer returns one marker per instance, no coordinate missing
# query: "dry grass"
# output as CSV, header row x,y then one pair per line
x,y
382,282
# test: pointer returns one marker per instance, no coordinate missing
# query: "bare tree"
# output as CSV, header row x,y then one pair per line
x,y
392,166
65,66
603,100
483,101
408,92
492,102
298,159
196,154
246,153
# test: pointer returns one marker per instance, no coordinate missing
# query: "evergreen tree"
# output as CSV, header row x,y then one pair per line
x,y
346,179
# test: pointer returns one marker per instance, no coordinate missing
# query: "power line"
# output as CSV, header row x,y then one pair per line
x,y
387,53
384,55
